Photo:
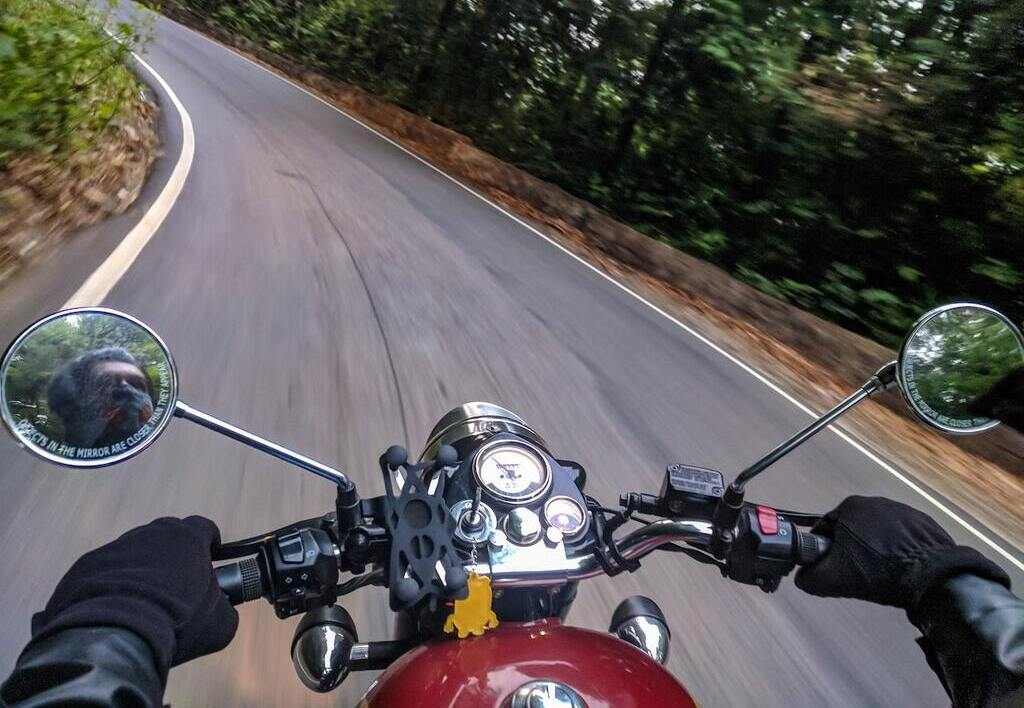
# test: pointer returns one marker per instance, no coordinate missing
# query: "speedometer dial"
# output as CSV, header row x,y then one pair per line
x,y
513,472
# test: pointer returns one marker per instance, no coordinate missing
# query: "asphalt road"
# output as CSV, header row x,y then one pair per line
x,y
323,288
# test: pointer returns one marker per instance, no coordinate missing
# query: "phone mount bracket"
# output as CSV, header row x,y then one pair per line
x,y
424,562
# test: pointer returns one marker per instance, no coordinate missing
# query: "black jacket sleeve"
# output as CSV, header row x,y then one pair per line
x,y
974,640
85,666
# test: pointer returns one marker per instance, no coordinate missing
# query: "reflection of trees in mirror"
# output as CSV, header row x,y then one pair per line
x,y
58,342
956,358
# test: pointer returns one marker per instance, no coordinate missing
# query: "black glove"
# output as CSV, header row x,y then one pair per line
x,y
886,552
157,581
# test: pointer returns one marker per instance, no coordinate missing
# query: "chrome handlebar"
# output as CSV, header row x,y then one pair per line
x,y
634,546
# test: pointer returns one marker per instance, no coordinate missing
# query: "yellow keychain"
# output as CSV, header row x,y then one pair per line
x,y
474,614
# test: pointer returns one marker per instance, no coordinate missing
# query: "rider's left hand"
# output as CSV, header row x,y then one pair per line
x,y
157,581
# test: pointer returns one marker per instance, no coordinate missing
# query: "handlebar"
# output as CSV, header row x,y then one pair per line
x,y
806,549
244,580
241,581
634,546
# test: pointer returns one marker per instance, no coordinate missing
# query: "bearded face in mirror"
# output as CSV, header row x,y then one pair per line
x,y
101,397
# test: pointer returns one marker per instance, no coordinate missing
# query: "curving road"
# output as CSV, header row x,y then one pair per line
x,y
322,287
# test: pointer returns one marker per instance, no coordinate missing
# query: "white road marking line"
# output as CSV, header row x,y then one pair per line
x,y
105,277
757,375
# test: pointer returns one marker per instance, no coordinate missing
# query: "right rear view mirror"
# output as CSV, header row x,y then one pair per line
x,y
961,369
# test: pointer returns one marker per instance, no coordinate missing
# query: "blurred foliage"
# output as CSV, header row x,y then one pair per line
x,y
62,78
863,159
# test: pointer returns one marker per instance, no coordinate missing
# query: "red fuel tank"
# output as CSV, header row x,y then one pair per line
x,y
483,672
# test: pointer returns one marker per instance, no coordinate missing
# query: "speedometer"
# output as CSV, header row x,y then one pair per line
x,y
513,472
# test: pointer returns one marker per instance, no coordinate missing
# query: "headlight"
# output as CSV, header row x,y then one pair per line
x,y
476,421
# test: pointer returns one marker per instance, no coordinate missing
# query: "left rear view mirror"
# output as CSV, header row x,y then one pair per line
x,y
90,387
87,387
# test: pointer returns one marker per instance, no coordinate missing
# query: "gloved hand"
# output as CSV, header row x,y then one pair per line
x,y
155,580
886,552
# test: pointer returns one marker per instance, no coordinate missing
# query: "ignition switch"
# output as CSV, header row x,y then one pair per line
x,y
471,528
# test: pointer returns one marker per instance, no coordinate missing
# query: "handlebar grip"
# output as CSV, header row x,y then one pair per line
x,y
241,581
810,547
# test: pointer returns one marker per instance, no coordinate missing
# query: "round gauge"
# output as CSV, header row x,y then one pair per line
x,y
566,515
512,472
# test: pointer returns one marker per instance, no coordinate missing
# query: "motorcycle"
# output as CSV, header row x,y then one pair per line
x,y
481,541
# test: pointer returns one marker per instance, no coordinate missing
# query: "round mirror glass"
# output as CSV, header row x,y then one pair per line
x,y
962,368
87,387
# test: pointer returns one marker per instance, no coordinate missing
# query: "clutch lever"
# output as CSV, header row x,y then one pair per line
x,y
252,545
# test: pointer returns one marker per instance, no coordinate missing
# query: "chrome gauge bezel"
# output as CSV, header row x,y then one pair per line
x,y
512,499
586,516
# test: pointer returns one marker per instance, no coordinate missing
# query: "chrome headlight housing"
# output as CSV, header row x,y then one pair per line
x,y
474,422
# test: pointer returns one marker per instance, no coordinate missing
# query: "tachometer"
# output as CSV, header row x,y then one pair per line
x,y
566,515
513,472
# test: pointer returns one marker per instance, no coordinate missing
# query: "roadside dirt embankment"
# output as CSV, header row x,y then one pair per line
x,y
814,360
44,198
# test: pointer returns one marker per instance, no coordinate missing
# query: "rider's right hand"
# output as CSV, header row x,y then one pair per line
x,y
889,553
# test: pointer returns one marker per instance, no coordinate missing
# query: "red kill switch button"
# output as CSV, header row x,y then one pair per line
x,y
768,520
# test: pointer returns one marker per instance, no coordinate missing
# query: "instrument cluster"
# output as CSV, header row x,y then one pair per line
x,y
510,496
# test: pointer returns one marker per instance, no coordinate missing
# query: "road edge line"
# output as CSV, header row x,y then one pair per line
x,y
102,280
697,335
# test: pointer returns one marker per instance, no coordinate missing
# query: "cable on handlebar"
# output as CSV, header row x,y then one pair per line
x,y
607,552
375,577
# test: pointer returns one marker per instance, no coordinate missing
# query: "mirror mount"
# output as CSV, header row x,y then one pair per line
x,y
731,504
883,379
183,410
347,506
90,387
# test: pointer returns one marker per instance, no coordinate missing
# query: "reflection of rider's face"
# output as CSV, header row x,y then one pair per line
x,y
100,397
120,392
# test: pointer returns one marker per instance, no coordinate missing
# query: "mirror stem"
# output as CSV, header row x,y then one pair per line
x,y
182,410
728,510
883,379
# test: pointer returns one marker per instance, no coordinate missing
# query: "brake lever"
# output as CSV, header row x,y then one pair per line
x,y
695,553
800,518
